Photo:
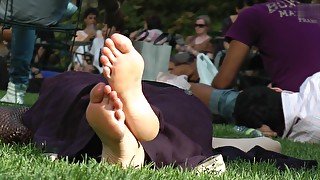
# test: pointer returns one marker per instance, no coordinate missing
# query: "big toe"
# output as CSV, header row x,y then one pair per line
x,y
97,93
122,43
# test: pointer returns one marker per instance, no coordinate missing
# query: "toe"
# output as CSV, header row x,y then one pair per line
x,y
108,53
110,44
120,116
97,93
106,72
122,43
118,105
107,89
108,99
105,61
113,96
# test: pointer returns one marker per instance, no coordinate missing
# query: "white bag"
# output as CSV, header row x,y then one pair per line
x,y
156,58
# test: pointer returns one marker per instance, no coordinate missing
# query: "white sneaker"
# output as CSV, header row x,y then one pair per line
x,y
213,164
15,93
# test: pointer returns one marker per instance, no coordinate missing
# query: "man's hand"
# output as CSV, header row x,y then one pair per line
x,y
266,131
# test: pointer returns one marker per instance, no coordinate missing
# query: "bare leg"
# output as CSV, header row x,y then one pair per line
x,y
245,144
105,116
123,68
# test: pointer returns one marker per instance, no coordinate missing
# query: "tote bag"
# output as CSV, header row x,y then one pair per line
x,y
156,58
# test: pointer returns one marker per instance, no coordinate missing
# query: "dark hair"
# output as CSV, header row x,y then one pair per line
x,y
260,105
154,22
242,3
89,11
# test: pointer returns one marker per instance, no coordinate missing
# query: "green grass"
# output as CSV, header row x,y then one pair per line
x,y
27,162
29,99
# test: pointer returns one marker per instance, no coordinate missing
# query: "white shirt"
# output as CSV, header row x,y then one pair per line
x,y
302,111
78,56
153,35
97,44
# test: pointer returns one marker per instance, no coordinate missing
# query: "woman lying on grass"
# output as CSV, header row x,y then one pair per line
x,y
126,122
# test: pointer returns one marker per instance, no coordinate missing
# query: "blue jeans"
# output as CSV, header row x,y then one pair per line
x,y
22,46
222,102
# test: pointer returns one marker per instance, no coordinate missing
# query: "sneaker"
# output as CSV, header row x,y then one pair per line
x,y
15,93
213,164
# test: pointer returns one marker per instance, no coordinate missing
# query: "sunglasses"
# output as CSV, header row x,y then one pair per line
x,y
200,25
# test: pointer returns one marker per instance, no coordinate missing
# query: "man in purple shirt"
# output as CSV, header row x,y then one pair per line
x,y
288,44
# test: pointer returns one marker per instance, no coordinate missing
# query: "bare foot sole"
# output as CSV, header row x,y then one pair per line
x,y
123,68
106,117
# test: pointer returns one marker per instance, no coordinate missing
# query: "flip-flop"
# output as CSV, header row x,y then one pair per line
x,y
206,70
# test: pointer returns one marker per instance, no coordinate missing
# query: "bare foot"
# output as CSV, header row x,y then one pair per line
x,y
105,116
123,68
123,65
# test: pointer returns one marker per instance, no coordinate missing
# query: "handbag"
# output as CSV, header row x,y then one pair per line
x,y
156,57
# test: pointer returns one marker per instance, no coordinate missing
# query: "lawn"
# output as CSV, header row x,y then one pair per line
x,y
26,162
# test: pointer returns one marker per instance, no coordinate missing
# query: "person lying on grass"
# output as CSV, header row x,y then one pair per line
x,y
286,114
124,120
293,115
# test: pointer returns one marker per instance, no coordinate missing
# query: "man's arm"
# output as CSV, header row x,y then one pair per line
x,y
228,71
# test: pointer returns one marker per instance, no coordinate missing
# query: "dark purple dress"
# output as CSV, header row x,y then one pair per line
x,y
59,123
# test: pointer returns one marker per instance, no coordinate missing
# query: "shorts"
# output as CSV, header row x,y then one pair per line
x,y
222,102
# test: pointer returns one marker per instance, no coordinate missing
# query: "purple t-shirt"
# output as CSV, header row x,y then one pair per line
x,y
289,45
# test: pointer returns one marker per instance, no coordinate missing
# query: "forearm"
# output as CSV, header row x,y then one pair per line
x,y
225,78
229,69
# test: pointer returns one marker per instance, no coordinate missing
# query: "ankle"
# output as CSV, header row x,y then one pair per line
x,y
132,95
125,158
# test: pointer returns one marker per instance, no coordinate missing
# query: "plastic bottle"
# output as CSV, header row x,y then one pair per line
x,y
248,131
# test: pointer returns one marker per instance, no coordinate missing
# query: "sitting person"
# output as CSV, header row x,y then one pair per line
x,y
46,61
127,122
82,57
278,32
150,32
23,39
199,43
101,35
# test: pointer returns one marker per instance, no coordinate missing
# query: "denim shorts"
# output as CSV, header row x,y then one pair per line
x,y
222,102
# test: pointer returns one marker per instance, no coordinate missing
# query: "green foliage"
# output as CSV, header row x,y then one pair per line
x,y
177,16
29,99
